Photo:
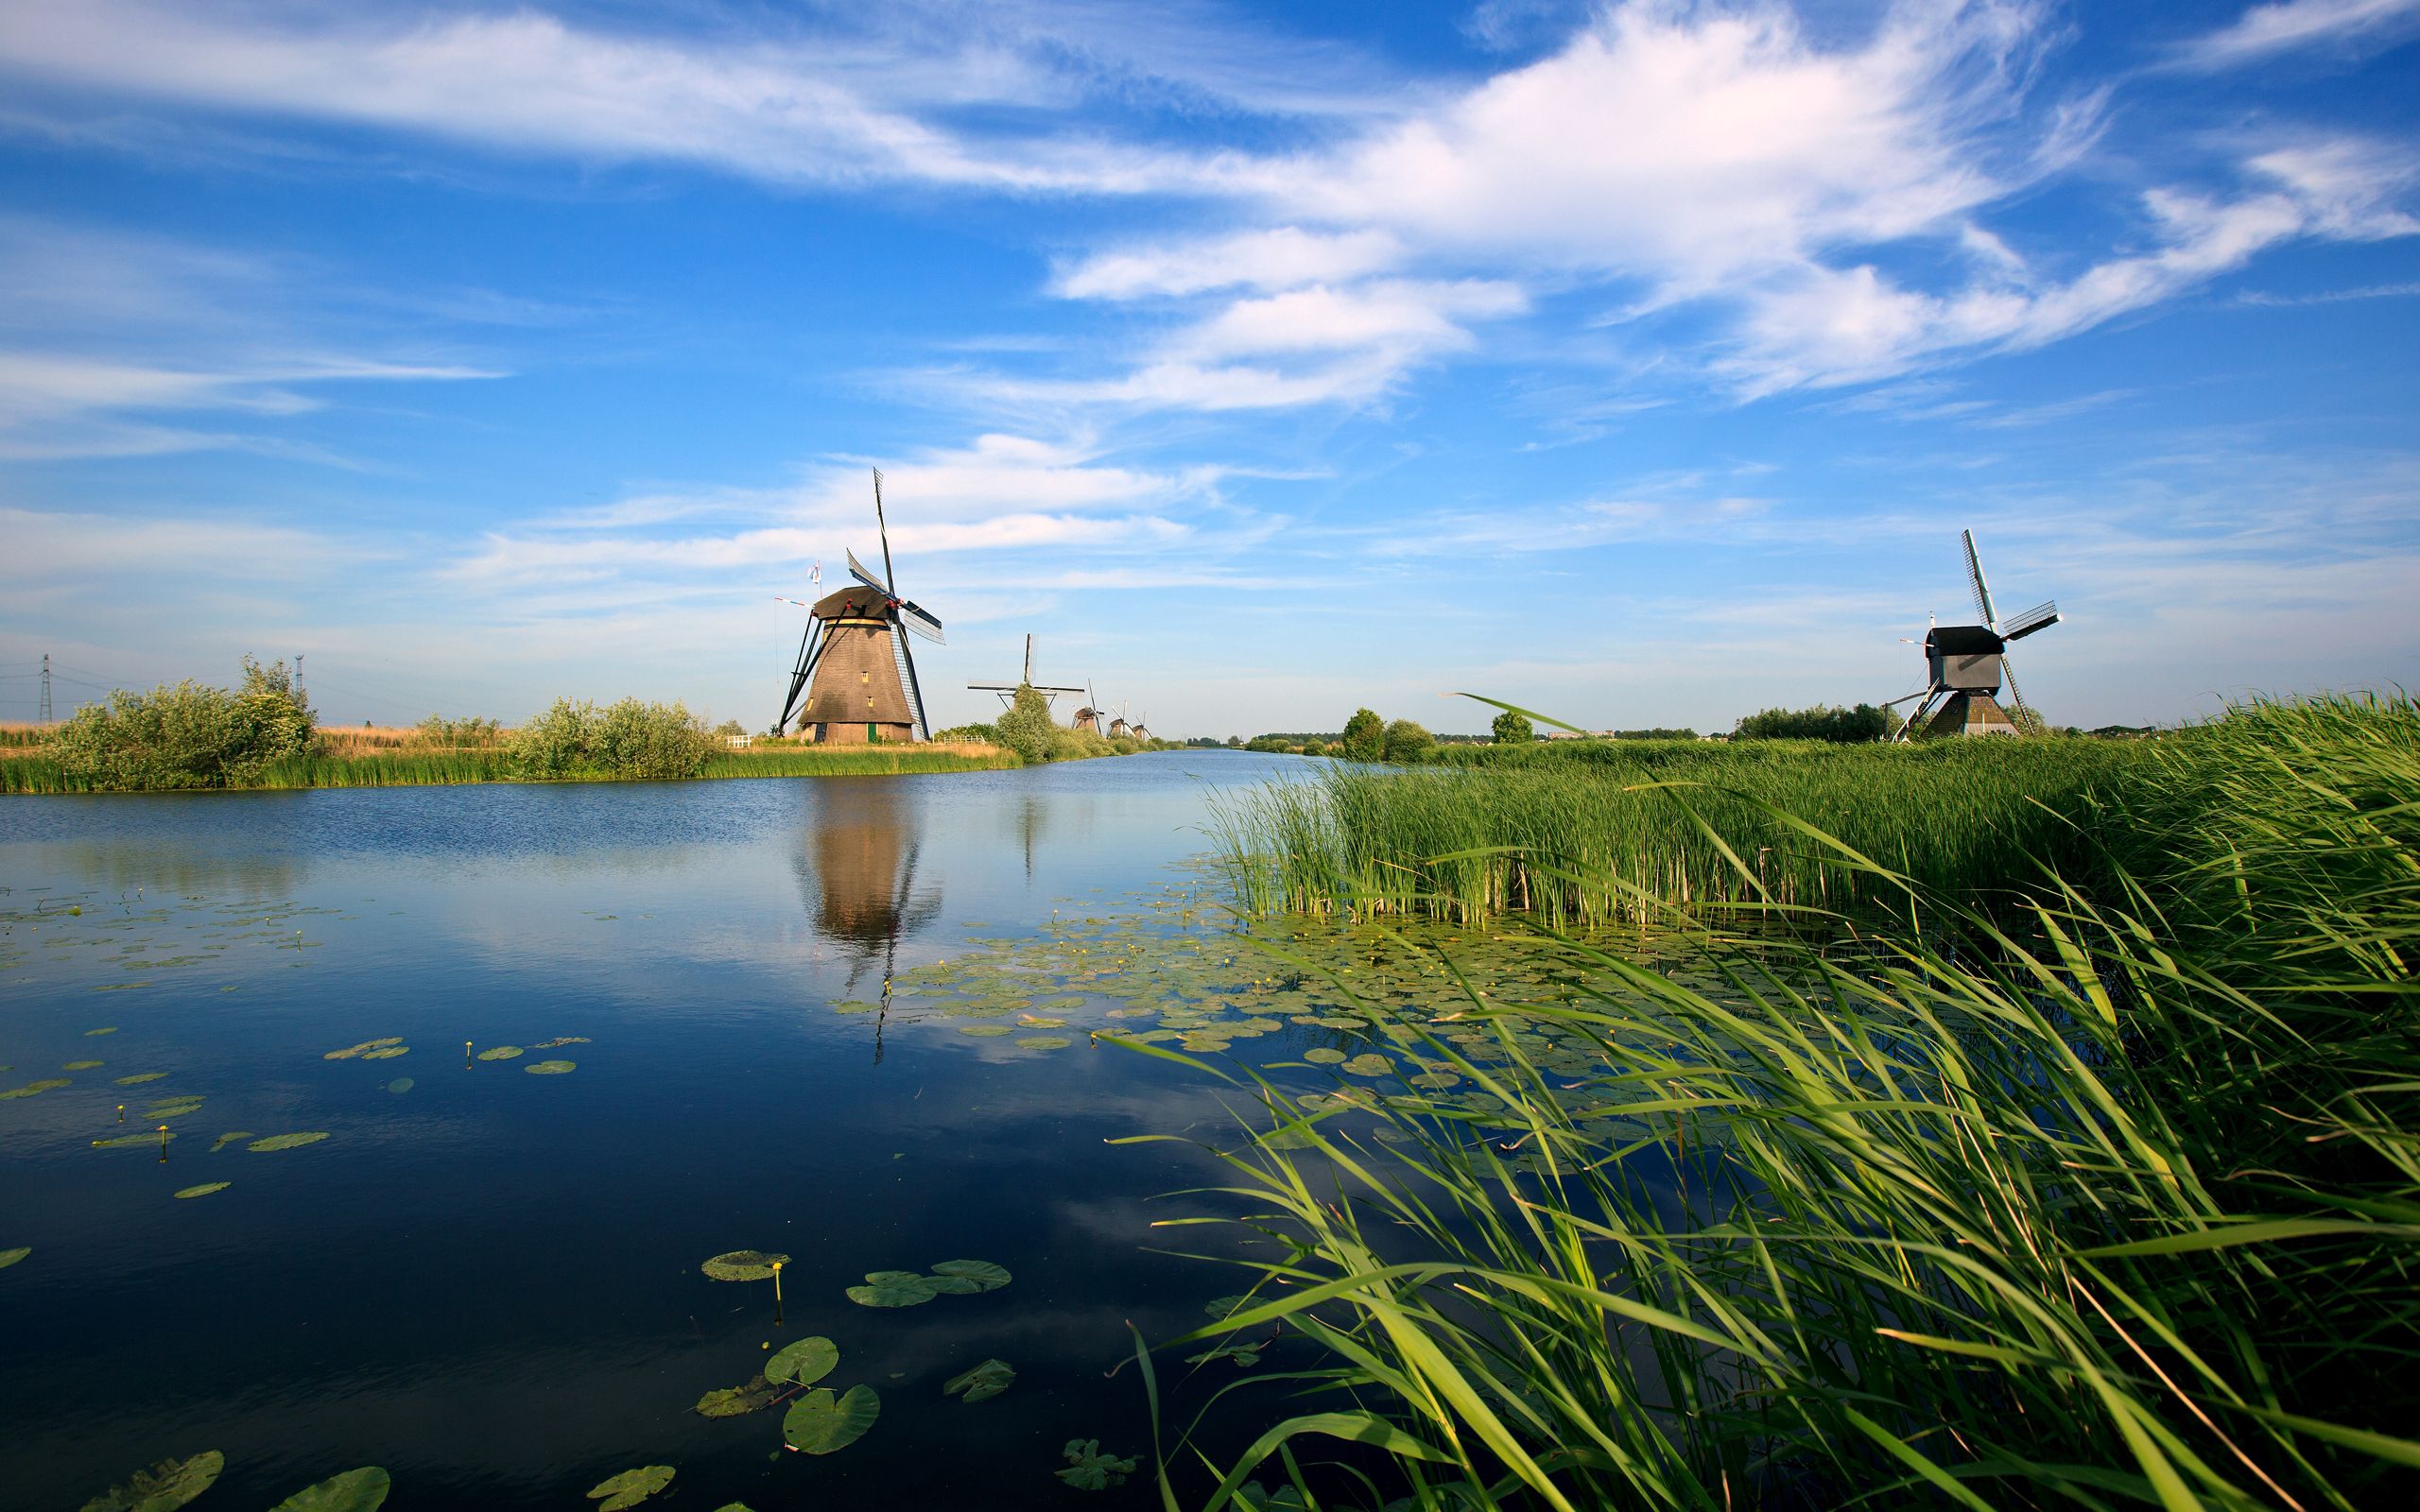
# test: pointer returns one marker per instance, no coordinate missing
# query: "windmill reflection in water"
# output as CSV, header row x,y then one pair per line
x,y
856,876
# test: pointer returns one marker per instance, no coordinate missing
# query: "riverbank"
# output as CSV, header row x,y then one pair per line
x,y
431,767
2092,1175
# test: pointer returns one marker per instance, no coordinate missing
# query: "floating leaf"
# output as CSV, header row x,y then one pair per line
x,y
735,1402
285,1141
1030,1022
9,1257
361,1490
1225,1307
500,1053
1325,1056
80,1065
551,1068
107,1028
388,1054
34,1088
565,1039
400,1085
1089,1469
985,1031
630,1488
982,1383
164,1487
225,1139
1045,1041
139,1077
894,1288
125,1141
174,1106
804,1363
1246,1355
205,1189
819,1423
953,1286
743,1265
352,1052
982,1273
1369,1064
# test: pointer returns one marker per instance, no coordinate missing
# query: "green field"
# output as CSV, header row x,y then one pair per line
x,y
2086,1175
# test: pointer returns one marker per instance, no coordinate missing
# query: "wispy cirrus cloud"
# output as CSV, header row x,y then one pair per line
x,y
2265,31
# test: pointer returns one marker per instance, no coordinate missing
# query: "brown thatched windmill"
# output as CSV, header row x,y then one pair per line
x,y
1089,717
1965,665
858,675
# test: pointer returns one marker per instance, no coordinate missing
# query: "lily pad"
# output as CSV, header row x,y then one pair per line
x,y
174,1106
35,1089
9,1257
1045,1041
630,1488
803,1362
361,1490
820,1423
894,1288
205,1189
81,1065
563,1040
551,1068
107,1028
400,1085
1369,1064
500,1053
354,1052
1245,1355
743,1265
128,1142
164,1487
736,1402
285,1141
984,1274
1089,1469
230,1137
985,1031
1325,1056
982,1383
139,1077
388,1054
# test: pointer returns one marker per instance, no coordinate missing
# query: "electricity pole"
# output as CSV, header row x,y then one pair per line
x,y
46,688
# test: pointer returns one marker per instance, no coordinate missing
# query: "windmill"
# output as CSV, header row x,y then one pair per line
x,y
1966,664
1118,728
1140,730
1007,691
855,669
1088,717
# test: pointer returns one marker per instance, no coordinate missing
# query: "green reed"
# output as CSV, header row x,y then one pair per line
x,y
410,767
2109,1196
1591,835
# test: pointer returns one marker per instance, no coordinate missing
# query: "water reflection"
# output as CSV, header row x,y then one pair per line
x,y
856,874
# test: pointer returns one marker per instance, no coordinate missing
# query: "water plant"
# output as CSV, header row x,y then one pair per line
x,y
618,1493
164,1487
982,1383
360,1490
822,1423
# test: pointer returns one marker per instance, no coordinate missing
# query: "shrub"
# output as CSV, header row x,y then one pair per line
x,y
188,735
1365,736
1026,727
474,731
1513,728
630,739
1407,742
1846,727
988,735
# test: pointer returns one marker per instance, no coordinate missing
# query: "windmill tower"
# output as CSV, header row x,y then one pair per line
x,y
1118,728
1139,729
1007,691
855,670
1966,664
1088,717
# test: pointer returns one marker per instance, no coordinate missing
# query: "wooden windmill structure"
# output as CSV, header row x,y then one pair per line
x,y
1118,728
854,666
1965,666
1007,691
1089,717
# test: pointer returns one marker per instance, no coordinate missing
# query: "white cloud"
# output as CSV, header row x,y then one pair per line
x,y
2266,30
1280,257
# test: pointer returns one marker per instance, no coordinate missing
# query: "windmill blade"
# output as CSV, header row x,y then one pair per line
x,y
858,570
2040,617
2015,694
889,582
923,623
1975,576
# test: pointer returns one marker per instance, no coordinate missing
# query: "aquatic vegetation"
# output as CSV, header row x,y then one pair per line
x,y
139,1077
35,1089
174,1107
400,1085
618,1493
1045,1041
894,1288
1089,1469
736,1402
230,1137
205,1189
80,1065
982,1383
9,1257
387,1052
128,1142
983,1273
361,1490
803,1362
356,1051
107,1028
821,1423
743,1265
285,1141
551,1068
565,1039
985,1031
164,1487
500,1053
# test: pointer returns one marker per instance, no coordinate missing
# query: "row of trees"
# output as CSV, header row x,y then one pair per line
x,y
1027,728
1846,727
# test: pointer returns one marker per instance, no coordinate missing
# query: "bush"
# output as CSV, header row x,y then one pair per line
x,y
1365,736
988,735
1845,726
188,735
1511,729
630,739
1407,742
438,730
1026,727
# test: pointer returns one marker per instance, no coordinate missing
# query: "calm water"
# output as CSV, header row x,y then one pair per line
x,y
489,1283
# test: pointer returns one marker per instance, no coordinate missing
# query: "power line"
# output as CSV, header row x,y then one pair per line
x,y
46,688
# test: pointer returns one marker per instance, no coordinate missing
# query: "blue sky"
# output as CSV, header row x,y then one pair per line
x,y
1640,362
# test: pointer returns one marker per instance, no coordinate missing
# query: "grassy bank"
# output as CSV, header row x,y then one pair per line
x,y
2116,1203
408,767
1607,831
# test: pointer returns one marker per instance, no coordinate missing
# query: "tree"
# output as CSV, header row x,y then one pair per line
x,y
1513,728
1026,727
188,735
1842,726
1365,736
1407,742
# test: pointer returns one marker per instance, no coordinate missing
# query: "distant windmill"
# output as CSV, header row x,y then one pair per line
x,y
1966,664
852,660
1140,730
1118,728
1007,691
1088,717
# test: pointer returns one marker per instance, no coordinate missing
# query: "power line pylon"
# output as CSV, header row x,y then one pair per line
x,y
46,688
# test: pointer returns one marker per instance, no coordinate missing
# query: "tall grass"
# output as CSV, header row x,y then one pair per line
x,y
1593,836
2115,1203
406,766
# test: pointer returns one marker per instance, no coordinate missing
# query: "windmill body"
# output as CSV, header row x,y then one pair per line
x,y
855,669
1966,666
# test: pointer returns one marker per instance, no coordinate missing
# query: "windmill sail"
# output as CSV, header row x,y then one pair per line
x,y
1975,576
